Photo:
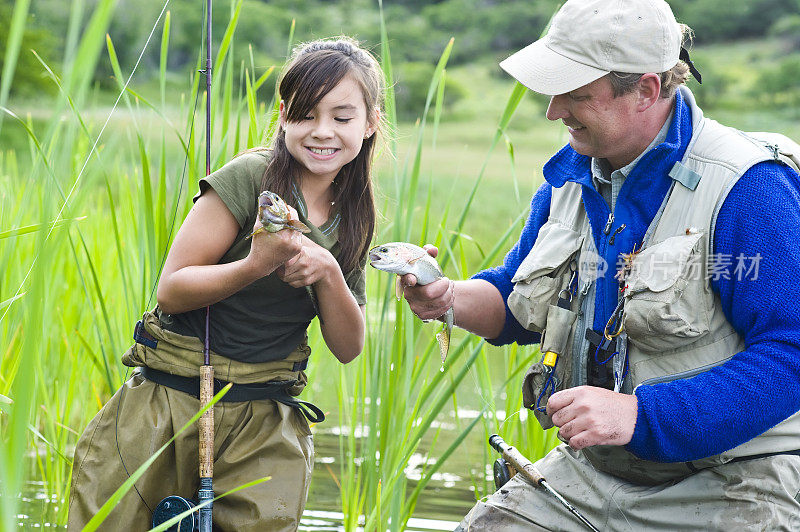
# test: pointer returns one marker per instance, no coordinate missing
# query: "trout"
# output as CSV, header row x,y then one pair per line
x,y
273,213
402,258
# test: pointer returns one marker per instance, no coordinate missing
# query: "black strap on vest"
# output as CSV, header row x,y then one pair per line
x,y
275,391
600,349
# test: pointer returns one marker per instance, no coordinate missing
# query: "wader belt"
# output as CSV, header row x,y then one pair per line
x,y
275,390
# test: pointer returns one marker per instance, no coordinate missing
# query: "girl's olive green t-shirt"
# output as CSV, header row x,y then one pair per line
x,y
267,319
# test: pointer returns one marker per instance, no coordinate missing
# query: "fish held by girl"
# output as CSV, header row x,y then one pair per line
x,y
401,258
273,213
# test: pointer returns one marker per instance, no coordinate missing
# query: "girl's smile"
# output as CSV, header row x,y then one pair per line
x,y
322,152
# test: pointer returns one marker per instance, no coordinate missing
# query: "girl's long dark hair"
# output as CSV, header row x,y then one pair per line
x,y
314,70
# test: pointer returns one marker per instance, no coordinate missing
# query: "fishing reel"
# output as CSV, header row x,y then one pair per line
x,y
172,506
503,471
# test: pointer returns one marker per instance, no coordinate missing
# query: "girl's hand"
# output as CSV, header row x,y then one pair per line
x,y
268,251
312,264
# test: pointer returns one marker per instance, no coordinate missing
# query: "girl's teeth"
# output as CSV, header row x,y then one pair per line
x,y
323,151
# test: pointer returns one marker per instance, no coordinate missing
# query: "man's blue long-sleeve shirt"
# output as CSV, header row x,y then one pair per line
x,y
759,221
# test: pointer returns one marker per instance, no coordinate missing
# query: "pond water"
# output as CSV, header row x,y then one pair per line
x,y
449,495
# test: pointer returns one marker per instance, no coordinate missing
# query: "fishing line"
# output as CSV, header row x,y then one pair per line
x,y
91,152
487,405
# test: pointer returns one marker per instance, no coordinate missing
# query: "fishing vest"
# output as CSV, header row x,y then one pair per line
x,y
673,326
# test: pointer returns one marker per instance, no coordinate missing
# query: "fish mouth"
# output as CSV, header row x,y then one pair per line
x,y
374,257
275,219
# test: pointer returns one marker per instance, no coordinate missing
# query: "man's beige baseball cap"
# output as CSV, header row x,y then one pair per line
x,y
588,39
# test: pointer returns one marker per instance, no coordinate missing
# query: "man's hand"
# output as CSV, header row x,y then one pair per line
x,y
432,300
588,416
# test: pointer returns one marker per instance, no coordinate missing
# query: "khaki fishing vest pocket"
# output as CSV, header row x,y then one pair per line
x,y
543,274
553,372
666,306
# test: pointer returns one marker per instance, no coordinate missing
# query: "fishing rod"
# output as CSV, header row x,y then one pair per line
x,y
525,468
174,505
205,493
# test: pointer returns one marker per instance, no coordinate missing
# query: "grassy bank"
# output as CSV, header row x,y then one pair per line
x,y
85,220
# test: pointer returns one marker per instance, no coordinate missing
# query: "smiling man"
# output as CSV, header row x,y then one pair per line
x,y
652,270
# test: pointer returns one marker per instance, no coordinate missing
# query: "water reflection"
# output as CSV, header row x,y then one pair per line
x,y
448,496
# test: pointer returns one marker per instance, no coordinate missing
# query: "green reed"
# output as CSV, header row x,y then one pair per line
x,y
84,227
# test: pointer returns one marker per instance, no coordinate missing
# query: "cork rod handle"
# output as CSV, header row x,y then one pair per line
x,y
206,428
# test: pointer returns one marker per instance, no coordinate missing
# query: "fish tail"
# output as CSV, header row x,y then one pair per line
x,y
259,230
443,336
313,296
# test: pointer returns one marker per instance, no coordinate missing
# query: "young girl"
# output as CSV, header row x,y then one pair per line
x,y
320,160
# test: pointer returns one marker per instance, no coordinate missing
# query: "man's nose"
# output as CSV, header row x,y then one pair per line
x,y
557,109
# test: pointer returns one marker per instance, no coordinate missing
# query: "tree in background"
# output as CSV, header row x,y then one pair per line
x,y
30,77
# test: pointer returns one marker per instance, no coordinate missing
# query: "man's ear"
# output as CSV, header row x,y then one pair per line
x,y
649,90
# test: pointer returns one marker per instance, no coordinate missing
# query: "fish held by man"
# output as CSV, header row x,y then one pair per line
x,y
402,258
273,213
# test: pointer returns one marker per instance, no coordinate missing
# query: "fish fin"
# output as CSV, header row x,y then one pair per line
x,y
259,230
443,336
297,225
412,261
398,289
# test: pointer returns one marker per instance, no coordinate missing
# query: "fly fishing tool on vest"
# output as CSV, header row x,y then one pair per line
x,y
560,319
512,458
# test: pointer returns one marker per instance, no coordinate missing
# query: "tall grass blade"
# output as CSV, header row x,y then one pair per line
x,y
88,51
37,227
162,63
7,302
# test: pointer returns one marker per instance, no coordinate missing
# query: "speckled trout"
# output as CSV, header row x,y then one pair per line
x,y
273,213
402,258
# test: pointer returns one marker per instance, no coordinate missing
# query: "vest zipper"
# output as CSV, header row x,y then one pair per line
x,y
607,228
682,374
614,236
